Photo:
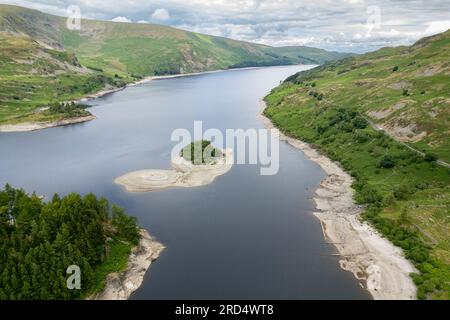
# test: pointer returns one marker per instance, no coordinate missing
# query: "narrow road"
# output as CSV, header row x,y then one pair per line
x,y
422,154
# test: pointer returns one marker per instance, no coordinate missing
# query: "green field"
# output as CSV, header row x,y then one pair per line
x,y
34,77
43,62
407,196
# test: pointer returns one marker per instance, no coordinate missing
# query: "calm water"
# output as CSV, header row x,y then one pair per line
x,y
245,236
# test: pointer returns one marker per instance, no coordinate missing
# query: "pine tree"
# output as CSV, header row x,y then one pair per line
x,y
38,241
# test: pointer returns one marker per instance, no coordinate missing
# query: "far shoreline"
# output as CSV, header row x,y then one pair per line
x,y
34,126
40,125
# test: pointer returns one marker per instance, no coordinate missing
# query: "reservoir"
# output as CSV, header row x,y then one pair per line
x,y
245,236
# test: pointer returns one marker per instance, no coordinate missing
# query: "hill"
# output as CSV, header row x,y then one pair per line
x,y
43,62
404,91
370,113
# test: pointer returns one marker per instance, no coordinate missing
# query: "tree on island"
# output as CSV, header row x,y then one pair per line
x,y
201,152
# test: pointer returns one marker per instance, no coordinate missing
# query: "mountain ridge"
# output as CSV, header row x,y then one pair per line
x,y
52,31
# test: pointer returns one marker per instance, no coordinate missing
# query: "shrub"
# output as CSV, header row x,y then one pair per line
x,y
347,127
430,157
321,129
361,136
366,194
395,69
387,162
404,191
360,123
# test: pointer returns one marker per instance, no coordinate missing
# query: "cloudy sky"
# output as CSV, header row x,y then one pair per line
x,y
343,25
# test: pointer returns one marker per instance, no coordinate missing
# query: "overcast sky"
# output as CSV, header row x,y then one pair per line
x,y
344,25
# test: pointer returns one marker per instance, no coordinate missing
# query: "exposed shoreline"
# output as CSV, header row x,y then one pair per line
x,y
364,252
33,126
184,174
120,286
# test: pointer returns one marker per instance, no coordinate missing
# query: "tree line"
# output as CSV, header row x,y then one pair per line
x,y
40,240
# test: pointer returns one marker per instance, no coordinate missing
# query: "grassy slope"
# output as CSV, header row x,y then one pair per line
x,y
115,262
35,71
33,76
411,103
407,198
144,49
42,62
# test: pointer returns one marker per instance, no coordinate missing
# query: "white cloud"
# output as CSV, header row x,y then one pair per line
x,y
161,14
121,19
142,21
437,27
330,24
354,1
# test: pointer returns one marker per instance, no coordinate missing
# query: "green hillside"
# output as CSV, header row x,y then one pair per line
x,y
32,77
339,108
42,62
144,49
404,90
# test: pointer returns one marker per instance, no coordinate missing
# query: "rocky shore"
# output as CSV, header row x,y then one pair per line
x,y
120,286
364,252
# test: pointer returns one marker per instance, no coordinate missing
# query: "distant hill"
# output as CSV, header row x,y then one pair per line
x,y
41,61
385,117
147,49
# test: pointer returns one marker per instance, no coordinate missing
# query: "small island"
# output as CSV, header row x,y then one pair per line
x,y
198,164
201,152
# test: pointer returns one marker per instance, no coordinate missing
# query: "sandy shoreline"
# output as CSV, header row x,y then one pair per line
x,y
364,252
120,286
184,174
33,126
